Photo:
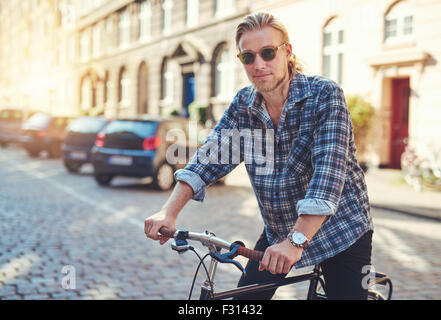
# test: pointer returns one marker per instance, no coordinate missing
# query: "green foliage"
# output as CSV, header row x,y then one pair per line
x,y
361,112
361,115
198,112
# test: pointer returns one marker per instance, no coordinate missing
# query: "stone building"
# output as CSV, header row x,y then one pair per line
x,y
127,57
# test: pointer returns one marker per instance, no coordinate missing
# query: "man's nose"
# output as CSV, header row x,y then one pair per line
x,y
259,63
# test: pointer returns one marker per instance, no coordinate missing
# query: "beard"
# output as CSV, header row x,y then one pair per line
x,y
271,86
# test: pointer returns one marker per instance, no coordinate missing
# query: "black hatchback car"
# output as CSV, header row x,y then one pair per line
x,y
80,138
44,132
138,148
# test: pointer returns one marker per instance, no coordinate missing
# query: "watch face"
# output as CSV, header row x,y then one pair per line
x,y
298,238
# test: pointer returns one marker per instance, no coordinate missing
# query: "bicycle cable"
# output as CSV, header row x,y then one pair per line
x,y
201,262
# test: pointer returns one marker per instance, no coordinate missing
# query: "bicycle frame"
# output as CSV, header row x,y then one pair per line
x,y
313,277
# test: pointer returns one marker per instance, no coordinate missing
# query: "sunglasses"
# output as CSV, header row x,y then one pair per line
x,y
267,53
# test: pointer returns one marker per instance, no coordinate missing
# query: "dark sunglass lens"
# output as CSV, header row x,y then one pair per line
x,y
247,58
268,54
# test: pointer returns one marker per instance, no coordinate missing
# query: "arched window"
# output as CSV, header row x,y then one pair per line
x,y
142,89
123,88
224,73
86,94
399,23
332,52
106,88
170,73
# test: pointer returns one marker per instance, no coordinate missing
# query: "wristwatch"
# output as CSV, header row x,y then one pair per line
x,y
298,239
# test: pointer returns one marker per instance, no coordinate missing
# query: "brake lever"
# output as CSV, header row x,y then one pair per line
x,y
180,243
228,257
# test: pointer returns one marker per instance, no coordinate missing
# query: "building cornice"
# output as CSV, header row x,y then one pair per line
x,y
398,57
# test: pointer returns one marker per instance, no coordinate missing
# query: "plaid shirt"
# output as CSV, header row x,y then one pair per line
x,y
313,169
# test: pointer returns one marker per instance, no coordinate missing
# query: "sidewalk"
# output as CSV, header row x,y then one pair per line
x,y
387,190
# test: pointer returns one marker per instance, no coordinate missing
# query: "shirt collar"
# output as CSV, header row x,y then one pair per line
x,y
299,90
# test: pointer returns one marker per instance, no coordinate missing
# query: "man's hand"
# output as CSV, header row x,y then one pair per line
x,y
280,258
156,222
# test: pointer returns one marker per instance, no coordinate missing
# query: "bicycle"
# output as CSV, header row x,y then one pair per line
x,y
317,286
419,172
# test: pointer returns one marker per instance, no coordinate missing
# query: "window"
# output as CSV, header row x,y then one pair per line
x,y
399,23
84,45
109,34
124,88
224,7
96,41
167,10
332,55
86,97
225,75
145,16
192,13
170,72
107,88
124,29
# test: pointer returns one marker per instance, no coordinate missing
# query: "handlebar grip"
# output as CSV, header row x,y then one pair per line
x,y
250,254
247,253
167,232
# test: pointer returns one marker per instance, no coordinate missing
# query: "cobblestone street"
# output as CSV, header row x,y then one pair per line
x,y
55,225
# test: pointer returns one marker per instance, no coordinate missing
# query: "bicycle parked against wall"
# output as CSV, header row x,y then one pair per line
x,y
421,172
317,286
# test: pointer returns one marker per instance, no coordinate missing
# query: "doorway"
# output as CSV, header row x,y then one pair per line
x,y
399,120
188,90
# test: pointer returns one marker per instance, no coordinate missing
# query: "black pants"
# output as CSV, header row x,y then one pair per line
x,y
342,273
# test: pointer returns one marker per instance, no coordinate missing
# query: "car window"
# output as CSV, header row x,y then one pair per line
x,y
142,129
87,125
39,119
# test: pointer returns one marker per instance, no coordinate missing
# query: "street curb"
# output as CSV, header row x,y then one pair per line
x,y
429,216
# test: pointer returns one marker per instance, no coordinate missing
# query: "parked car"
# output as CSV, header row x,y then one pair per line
x,y
138,148
11,121
80,138
43,132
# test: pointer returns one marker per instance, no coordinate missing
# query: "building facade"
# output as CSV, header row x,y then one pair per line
x,y
128,57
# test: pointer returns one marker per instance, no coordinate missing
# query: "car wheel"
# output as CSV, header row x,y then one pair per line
x,y
73,167
163,178
103,179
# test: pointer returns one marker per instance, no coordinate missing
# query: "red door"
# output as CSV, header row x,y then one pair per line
x,y
399,120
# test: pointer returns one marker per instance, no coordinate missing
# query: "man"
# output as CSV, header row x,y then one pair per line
x,y
314,202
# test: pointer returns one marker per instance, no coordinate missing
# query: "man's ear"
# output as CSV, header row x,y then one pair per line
x,y
288,49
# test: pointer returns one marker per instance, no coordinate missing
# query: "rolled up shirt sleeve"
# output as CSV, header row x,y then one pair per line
x,y
194,181
329,155
316,207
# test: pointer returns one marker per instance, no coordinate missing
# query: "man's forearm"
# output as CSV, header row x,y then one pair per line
x,y
309,224
181,194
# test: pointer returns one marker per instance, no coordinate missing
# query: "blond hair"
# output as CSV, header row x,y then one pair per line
x,y
261,20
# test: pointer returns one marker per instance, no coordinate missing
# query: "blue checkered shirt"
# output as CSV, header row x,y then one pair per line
x,y
313,168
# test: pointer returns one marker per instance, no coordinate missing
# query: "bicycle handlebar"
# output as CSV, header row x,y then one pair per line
x,y
210,239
